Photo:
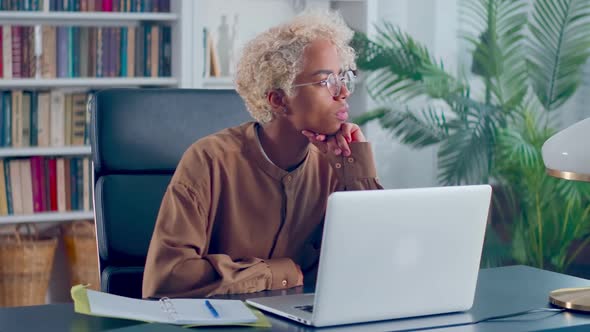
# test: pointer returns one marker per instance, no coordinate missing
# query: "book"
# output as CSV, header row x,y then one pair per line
x,y
25,119
52,185
78,122
7,51
43,119
57,118
3,191
60,184
15,185
1,56
26,183
17,118
191,312
37,171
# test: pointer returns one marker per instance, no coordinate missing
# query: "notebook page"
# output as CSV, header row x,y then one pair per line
x,y
110,305
194,311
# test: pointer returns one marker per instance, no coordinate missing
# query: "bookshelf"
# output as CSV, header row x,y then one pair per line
x,y
218,83
180,22
89,83
45,151
47,217
83,18
177,19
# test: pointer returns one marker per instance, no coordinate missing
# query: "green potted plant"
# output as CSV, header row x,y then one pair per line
x,y
528,60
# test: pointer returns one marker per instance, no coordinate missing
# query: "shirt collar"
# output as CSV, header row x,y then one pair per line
x,y
256,152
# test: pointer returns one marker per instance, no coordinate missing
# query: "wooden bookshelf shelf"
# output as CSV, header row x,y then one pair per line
x,y
47,217
86,82
218,83
82,18
45,151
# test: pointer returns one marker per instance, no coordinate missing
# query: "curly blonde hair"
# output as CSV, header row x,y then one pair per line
x,y
274,58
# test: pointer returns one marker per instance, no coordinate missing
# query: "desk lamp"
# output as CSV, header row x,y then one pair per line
x,y
567,156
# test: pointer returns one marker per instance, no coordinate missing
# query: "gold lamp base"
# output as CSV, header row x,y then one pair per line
x,y
571,298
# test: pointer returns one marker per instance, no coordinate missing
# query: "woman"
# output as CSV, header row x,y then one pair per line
x,y
244,210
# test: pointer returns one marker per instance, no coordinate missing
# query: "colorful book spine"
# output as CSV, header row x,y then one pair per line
x,y
7,53
16,52
52,177
9,205
37,180
62,52
1,54
7,118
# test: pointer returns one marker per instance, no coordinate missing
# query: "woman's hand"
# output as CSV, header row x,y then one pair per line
x,y
338,143
299,276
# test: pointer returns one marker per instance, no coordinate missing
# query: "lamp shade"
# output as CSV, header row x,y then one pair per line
x,y
566,154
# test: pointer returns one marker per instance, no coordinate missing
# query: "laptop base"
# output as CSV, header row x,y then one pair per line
x,y
295,307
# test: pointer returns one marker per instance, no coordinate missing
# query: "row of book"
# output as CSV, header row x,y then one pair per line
x,y
43,119
45,184
49,51
155,6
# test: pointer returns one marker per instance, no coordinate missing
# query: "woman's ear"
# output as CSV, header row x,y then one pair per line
x,y
276,99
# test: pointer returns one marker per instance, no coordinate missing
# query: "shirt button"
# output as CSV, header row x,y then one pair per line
x,y
284,283
338,165
289,178
351,160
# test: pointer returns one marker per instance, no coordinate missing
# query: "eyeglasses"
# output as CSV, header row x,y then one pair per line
x,y
334,83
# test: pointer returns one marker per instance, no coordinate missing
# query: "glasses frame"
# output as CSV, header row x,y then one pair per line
x,y
340,81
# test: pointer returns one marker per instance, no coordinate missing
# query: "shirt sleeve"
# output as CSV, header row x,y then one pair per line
x,y
357,171
178,264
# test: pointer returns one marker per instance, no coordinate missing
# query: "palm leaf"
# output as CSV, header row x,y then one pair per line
x,y
463,158
559,47
467,154
438,84
401,68
486,60
425,128
474,108
509,86
497,50
514,148
370,116
573,191
519,145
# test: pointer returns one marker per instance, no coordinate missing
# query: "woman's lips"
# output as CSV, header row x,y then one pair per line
x,y
342,115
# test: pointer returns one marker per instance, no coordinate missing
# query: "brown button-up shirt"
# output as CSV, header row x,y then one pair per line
x,y
233,222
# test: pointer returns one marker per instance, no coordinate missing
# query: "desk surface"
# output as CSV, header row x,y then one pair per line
x,y
500,291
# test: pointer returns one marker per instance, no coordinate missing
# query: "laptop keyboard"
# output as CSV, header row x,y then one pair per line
x,y
308,308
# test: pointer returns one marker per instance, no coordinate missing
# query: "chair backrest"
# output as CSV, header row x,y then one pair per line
x,y
138,137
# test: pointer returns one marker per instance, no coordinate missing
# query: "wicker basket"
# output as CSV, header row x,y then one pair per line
x,y
81,250
26,261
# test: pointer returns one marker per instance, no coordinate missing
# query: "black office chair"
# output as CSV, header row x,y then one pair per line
x,y
138,137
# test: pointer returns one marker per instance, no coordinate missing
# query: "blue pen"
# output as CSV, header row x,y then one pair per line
x,y
211,309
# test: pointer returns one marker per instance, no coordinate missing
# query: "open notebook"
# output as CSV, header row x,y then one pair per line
x,y
171,311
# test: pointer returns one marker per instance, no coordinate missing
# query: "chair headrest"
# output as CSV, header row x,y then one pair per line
x,y
148,130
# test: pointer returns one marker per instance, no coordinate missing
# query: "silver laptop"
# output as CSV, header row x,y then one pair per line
x,y
390,254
